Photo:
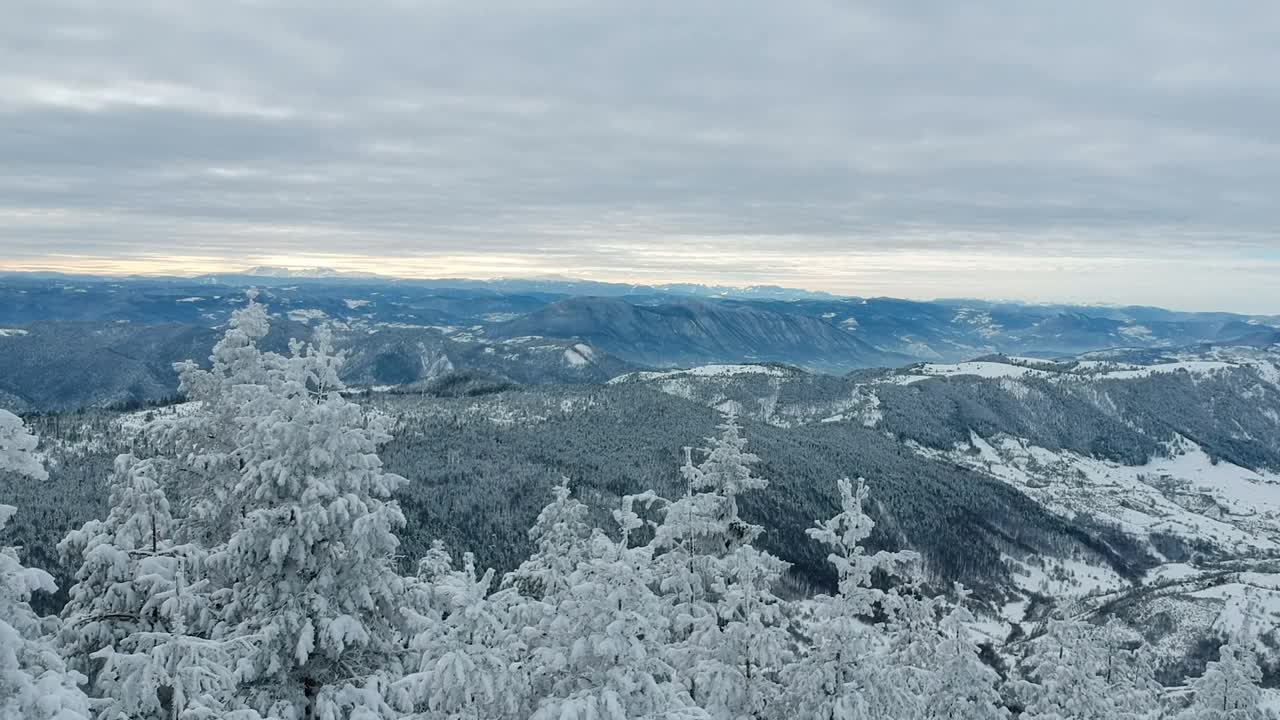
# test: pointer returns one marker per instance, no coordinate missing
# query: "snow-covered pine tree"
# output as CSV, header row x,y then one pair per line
x,y
112,585
1229,688
961,686
1064,675
739,674
307,585
466,651
17,448
849,671
126,623
201,442
1128,669
597,648
35,683
560,536
729,640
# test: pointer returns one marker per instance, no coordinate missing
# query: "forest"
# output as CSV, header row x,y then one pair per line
x,y
251,562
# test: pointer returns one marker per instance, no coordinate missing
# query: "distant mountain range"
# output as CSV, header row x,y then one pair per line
x,y
67,341
690,331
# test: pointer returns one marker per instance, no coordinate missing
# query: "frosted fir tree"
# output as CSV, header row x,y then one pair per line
x,y
847,672
120,565
126,623
560,538
750,646
17,448
702,528
35,684
201,443
1128,670
1064,675
597,641
307,585
466,650
961,686
727,627
706,520
1229,689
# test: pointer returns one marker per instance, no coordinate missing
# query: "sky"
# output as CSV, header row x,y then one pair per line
x,y
1078,152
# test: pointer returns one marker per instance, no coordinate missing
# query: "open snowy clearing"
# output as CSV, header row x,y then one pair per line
x,y
1183,493
703,371
1086,369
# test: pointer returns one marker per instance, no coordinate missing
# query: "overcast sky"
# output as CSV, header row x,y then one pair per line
x,y
1073,151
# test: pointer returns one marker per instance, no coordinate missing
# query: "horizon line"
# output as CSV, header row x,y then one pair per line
x,y
350,276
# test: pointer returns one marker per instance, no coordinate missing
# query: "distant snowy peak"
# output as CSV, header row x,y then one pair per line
x,y
275,271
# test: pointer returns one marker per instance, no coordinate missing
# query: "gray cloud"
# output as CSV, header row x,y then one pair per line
x,y
1083,151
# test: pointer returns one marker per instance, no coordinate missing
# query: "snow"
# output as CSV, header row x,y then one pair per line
x,y
1195,367
725,370
579,355
702,371
13,332
1090,365
307,315
1137,332
1065,577
1244,602
981,321
902,379
1170,572
1086,370
984,369
1182,493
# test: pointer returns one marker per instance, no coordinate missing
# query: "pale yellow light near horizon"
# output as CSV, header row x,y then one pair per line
x,y
893,272
677,264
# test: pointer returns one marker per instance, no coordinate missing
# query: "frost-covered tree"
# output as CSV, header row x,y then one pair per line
x,y
1081,670
1064,675
1229,688
306,581
202,442
560,538
847,673
17,448
127,621
1128,671
597,647
466,650
961,686
35,683
706,521
729,641
738,673
282,511
120,565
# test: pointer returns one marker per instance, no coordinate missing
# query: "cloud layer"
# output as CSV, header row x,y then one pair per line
x,y
1083,151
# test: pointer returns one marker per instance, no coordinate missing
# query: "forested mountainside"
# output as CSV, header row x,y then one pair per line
x,y
235,555
1141,486
412,332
